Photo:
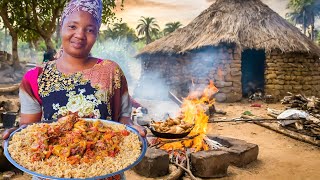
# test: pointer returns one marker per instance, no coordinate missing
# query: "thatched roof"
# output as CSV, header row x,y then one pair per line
x,y
246,23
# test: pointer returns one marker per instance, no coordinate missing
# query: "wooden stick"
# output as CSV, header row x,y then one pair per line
x,y
175,174
269,120
188,160
10,88
186,170
289,133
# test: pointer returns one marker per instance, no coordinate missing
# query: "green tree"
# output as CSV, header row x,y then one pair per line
x,y
11,12
119,30
124,31
304,12
105,34
148,27
40,17
171,26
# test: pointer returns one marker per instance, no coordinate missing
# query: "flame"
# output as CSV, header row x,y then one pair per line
x,y
194,110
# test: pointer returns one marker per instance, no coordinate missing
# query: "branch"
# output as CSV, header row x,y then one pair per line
x,y
35,18
186,170
5,18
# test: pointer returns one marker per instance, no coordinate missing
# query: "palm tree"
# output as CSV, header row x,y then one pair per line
x,y
172,26
123,30
304,12
119,30
148,27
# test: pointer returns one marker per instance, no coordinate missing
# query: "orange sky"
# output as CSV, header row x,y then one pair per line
x,y
176,10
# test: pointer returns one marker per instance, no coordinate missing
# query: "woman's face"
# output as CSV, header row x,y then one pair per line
x,y
79,32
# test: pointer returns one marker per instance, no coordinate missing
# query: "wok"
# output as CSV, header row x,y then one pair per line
x,y
167,135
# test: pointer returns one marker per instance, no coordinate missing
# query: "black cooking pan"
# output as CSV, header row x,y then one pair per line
x,y
167,135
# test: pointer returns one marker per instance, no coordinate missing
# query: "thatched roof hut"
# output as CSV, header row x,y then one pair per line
x,y
247,23
242,25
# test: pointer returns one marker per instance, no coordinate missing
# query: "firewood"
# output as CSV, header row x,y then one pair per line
x,y
176,173
299,101
186,170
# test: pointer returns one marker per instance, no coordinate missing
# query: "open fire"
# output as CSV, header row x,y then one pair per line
x,y
194,110
197,153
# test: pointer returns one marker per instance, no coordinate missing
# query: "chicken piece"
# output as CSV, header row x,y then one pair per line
x,y
172,130
177,121
170,122
179,130
186,126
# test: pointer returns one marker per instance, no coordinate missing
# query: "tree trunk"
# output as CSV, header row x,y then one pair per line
x,y
304,22
313,37
33,54
49,43
5,39
15,56
312,33
58,34
148,38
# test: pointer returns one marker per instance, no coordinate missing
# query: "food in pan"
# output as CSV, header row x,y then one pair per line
x,y
172,126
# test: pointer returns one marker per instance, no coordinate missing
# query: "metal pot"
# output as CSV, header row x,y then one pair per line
x,y
8,119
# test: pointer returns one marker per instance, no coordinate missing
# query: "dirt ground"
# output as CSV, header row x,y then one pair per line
x,y
280,157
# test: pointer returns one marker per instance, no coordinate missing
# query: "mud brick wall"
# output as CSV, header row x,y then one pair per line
x,y
284,72
292,72
220,64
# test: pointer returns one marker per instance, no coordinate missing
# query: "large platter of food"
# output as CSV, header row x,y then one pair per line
x,y
75,148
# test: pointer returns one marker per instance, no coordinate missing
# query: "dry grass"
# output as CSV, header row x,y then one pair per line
x,y
245,23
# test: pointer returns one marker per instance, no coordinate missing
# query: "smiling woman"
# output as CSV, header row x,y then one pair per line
x,y
76,83
79,33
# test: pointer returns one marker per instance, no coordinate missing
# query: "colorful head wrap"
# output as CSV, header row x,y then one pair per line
x,y
94,7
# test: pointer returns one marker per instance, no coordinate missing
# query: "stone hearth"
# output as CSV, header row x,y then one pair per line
x,y
204,164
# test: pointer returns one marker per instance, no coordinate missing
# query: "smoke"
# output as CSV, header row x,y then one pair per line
x,y
121,51
204,61
152,86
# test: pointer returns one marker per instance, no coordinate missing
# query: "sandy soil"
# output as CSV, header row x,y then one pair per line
x,y
280,157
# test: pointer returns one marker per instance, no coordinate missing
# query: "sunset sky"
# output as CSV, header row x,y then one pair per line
x,y
177,10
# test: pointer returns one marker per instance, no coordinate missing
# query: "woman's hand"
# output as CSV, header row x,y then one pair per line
x,y
142,131
126,120
7,132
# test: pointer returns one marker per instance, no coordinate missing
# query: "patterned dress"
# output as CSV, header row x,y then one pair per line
x,y
98,92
